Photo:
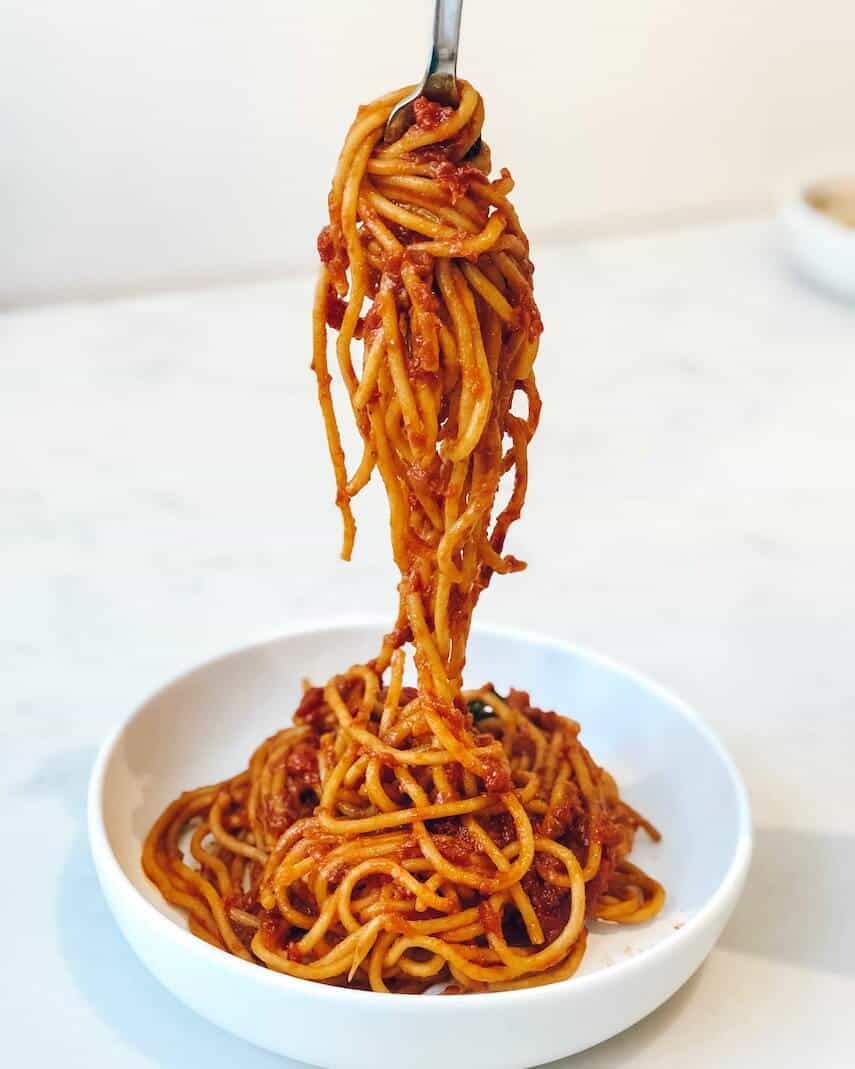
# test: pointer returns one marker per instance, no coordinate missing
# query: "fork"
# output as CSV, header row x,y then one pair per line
x,y
440,78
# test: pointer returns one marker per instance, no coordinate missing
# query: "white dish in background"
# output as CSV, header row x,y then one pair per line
x,y
204,726
822,246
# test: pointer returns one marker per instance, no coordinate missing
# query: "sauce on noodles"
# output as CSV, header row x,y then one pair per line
x,y
401,838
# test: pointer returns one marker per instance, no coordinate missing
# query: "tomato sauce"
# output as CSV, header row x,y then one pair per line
x,y
334,309
429,114
302,765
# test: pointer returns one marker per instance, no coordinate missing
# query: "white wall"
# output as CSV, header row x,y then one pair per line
x,y
159,142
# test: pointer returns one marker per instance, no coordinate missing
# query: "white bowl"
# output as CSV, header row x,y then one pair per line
x,y
203,727
822,247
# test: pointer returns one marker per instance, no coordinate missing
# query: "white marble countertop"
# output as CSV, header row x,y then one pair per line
x,y
698,426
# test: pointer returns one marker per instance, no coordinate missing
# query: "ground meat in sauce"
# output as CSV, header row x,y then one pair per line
x,y
454,775
496,774
519,700
272,929
278,812
452,716
422,263
311,708
444,825
564,814
429,115
551,904
602,829
333,255
409,848
334,309
530,313
489,919
326,245
543,719
242,900
301,765
457,850
501,828
523,746
456,178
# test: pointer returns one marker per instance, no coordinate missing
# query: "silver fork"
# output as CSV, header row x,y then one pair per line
x,y
440,78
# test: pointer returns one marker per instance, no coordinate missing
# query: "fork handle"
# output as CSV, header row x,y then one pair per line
x,y
440,81
446,37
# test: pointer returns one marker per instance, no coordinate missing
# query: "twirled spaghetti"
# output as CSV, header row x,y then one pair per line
x,y
400,837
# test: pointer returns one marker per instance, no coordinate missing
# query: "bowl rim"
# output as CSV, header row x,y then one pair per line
x,y
109,867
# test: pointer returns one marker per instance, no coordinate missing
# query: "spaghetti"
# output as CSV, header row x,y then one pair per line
x,y
395,837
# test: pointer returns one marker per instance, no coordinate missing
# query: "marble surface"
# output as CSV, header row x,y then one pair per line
x,y
165,494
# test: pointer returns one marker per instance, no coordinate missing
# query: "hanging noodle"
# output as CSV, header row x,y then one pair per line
x,y
396,837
